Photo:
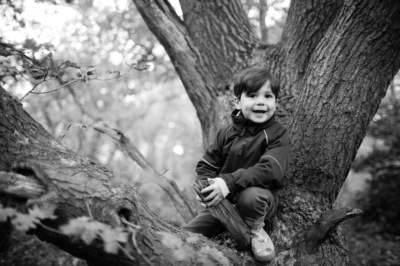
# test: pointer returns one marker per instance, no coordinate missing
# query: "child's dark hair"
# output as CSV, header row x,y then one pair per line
x,y
252,79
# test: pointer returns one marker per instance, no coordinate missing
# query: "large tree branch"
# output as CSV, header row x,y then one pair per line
x,y
222,33
349,73
186,59
306,24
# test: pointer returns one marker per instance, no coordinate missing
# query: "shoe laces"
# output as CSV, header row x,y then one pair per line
x,y
262,239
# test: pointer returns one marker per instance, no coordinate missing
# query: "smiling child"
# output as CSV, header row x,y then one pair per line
x,y
247,161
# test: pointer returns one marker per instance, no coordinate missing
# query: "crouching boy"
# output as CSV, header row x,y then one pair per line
x,y
247,161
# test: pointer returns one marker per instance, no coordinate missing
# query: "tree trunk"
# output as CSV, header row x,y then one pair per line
x,y
335,61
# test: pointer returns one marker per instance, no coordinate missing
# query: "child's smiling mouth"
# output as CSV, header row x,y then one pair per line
x,y
259,111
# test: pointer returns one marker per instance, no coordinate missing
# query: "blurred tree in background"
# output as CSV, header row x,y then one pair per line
x,y
380,200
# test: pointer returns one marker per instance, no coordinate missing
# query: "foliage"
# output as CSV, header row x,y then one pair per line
x,y
375,236
18,248
379,201
87,229
83,228
24,222
368,247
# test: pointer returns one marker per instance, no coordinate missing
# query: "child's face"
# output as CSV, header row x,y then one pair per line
x,y
258,106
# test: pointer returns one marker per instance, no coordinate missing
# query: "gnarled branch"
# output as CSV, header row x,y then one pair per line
x,y
323,228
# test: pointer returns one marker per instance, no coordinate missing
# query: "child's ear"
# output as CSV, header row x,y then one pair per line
x,y
237,101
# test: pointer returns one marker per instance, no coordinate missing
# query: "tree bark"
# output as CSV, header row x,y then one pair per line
x,y
345,79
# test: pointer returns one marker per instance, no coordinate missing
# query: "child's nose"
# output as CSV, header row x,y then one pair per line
x,y
261,101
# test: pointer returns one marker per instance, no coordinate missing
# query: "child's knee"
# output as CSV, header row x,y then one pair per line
x,y
255,196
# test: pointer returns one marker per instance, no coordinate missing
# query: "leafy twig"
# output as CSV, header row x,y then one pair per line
x,y
62,86
31,91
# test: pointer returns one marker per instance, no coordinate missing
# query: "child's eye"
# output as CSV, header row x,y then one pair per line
x,y
268,96
252,95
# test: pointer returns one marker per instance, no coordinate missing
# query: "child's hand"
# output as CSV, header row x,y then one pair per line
x,y
215,196
199,200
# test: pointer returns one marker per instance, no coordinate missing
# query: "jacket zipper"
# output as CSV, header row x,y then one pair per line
x,y
243,146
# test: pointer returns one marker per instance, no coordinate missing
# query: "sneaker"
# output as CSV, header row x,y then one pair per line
x,y
262,246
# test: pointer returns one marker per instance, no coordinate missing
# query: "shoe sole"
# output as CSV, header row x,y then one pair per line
x,y
265,259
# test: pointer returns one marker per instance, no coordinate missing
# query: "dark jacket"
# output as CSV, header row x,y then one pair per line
x,y
247,154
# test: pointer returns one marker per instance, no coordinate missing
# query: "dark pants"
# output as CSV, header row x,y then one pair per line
x,y
254,204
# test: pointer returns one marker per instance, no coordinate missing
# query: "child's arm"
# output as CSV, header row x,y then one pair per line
x,y
209,167
268,172
211,163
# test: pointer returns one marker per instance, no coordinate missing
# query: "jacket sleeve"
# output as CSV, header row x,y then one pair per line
x,y
211,163
269,170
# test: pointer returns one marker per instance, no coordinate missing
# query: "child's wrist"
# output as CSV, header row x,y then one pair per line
x,y
222,186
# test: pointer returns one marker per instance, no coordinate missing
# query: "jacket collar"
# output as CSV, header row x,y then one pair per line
x,y
241,123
